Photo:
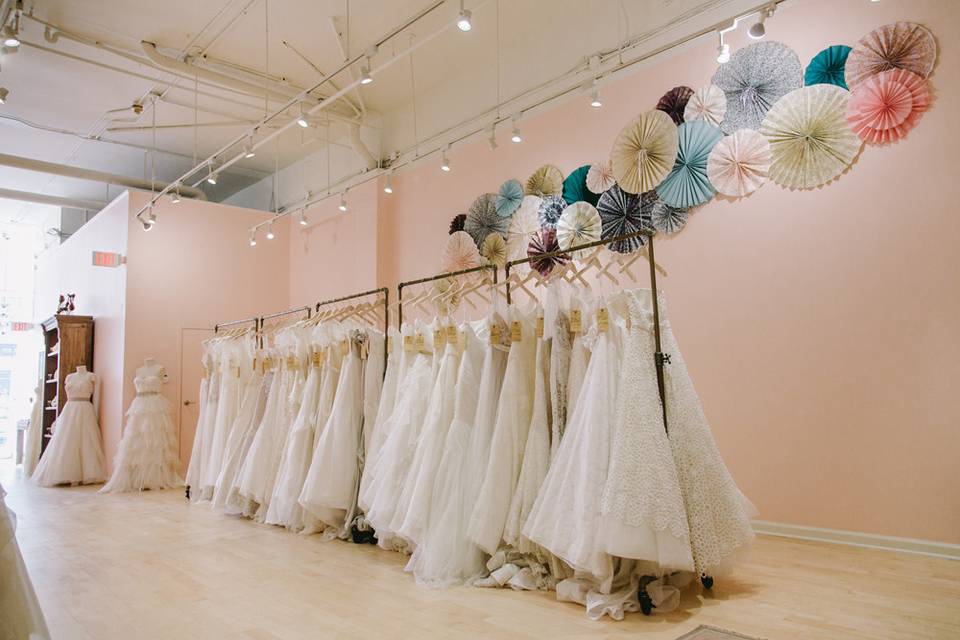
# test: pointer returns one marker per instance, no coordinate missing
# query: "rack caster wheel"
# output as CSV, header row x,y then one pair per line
x,y
646,605
186,492
706,581
362,537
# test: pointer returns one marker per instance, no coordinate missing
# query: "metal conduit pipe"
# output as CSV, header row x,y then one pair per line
x,y
57,201
67,171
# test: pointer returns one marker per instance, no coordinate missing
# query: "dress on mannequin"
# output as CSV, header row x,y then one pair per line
x,y
31,449
147,457
75,453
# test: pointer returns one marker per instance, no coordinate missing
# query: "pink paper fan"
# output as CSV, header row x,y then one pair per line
x,y
901,45
739,163
461,253
600,177
885,106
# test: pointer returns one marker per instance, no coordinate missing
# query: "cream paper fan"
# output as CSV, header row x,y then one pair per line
x,y
644,152
708,103
494,250
524,226
578,224
545,181
460,253
739,163
810,140
600,177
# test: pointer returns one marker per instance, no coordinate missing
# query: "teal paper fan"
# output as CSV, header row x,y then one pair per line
x,y
828,67
687,184
509,198
575,187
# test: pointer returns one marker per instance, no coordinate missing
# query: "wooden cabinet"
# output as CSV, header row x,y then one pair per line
x,y
67,344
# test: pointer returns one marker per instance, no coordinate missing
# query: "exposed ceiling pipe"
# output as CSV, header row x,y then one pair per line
x,y
57,201
67,171
368,159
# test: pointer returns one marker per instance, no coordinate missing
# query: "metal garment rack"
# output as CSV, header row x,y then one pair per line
x,y
255,320
386,313
440,276
280,314
659,357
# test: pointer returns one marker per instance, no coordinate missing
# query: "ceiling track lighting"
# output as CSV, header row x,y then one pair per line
x,y
302,119
723,51
211,175
303,217
4,93
248,151
388,186
757,29
464,22
515,136
253,237
150,220
492,140
343,202
11,36
365,77
595,101
444,161
270,234
175,199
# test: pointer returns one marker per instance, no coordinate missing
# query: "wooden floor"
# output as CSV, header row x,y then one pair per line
x,y
152,566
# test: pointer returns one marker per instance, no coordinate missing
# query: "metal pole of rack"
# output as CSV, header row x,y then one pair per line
x,y
439,276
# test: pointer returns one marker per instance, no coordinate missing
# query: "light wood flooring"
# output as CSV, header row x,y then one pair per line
x,y
151,566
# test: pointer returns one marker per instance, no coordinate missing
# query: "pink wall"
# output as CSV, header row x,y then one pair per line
x,y
194,269
820,326
336,253
100,293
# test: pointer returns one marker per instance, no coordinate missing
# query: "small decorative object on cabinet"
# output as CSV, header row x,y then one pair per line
x,y
68,343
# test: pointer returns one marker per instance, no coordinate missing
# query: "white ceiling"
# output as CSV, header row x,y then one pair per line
x,y
65,91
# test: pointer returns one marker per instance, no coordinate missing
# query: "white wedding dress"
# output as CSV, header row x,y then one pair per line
x,y
75,453
252,407
209,391
20,614
31,448
147,457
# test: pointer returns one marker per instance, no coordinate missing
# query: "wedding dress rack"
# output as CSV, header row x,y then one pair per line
x,y
384,291
255,320
440,276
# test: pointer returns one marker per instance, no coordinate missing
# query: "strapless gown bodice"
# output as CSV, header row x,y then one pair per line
x,y
147,384
79,387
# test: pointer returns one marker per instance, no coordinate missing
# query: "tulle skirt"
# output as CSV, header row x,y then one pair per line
x,y
147,457
20,614
75,453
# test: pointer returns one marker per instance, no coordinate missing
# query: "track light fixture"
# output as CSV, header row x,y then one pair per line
x,y
515,136
175,199
302,119
388,186
757,30
253,237
11,37
365,77
723,51
463,19
595,101
150,220
211,175
303,217
444,161
343,202
492,139
248,151
4,92
270,234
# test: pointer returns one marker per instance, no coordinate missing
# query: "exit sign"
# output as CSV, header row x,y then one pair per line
x,y
105,259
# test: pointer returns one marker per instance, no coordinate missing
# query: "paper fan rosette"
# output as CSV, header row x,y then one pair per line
x,y
756,77
884,107
509,197
644,152
549,212
901,45
708,104
740,163
674,102
460,253
662,216
600,178
543,243
457,223
579,224
524,226
621,213
827,67
687,184
545,181
482,219
494,250
575,187
810,140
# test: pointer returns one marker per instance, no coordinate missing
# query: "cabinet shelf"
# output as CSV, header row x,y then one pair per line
x,y
67,344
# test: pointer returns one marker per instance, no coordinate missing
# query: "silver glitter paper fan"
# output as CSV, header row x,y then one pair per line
x,y
483,219
550,211
621,213
663,217
755,77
